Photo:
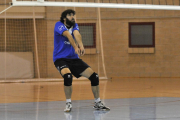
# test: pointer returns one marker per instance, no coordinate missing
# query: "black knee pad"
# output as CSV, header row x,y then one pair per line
x,y
94,78
68,79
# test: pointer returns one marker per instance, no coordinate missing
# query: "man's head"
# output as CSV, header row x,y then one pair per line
x,y
67,17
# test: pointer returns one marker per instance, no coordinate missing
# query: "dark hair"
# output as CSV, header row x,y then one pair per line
x,y
64,14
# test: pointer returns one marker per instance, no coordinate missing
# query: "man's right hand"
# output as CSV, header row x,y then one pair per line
x,y
77,51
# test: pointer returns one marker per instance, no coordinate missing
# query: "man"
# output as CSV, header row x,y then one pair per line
x,y
66,60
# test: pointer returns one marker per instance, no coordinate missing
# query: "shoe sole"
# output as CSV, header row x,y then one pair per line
x,y
101,109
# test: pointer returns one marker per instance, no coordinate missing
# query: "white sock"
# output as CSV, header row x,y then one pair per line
x,y
68,100
97,100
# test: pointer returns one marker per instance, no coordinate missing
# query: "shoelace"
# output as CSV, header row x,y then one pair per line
x,y
68,105
100,104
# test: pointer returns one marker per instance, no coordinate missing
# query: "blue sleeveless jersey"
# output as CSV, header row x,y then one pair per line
x,y
62,46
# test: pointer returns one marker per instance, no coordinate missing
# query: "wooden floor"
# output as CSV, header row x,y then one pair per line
x,y
109,89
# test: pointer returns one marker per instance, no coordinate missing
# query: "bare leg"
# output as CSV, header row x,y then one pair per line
x,y
95,89
67,89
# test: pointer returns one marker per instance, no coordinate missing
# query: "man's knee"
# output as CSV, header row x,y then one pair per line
x,y
68,79
94,78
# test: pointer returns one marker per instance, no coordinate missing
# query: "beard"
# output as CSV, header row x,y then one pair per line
x,y
70,22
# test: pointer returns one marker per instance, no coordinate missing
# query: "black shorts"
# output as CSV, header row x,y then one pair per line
x,y
76,66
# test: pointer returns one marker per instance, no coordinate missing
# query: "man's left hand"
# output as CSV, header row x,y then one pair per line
x,y
82,51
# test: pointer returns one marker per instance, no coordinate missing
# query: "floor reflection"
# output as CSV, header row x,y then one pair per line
x,y
98,115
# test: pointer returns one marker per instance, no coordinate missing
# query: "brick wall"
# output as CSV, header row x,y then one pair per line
x,y
164,62
119,63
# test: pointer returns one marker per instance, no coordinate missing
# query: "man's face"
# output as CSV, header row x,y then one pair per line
x,y
70,19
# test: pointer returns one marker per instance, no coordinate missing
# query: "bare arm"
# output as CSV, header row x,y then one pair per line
x,y
78,38
71,40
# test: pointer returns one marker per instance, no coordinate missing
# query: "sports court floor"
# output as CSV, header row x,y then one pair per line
x,y
128,98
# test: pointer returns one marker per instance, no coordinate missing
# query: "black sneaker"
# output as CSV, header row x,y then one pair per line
x,y
100,106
